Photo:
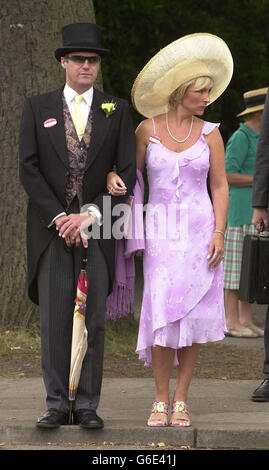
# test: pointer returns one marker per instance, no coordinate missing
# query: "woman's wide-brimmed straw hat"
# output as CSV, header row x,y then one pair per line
x,y
187,58
254,101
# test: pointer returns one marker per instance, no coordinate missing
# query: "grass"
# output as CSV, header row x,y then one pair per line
x,y
226,360
19,352
20,348
121,336
19,342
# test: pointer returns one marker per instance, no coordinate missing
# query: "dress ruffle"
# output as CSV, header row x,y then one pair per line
x,y
198,326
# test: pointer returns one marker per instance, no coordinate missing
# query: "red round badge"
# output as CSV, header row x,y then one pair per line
x,y
50,122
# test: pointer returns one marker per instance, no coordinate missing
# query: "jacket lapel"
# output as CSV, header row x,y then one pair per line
x,y
53,109
100,125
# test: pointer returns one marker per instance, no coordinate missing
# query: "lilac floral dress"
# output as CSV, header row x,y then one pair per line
x,y
182,299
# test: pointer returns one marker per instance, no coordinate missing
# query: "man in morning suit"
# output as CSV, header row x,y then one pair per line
x,y
260,197
67,146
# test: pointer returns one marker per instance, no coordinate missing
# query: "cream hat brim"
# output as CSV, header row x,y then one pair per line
x,y
251,110
187,58
254,101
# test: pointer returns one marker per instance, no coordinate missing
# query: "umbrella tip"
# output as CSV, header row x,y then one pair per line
x,y
70,421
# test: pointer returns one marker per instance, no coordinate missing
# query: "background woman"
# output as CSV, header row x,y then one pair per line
x,y
240,159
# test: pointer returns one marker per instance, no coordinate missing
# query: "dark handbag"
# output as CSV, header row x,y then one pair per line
x,y
254,276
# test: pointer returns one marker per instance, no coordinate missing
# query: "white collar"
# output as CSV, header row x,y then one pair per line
x,y
69,95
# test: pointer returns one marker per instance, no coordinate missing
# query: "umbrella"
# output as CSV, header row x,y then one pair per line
x,y
79,337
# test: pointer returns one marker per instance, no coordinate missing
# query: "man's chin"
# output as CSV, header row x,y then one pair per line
x,y
85,84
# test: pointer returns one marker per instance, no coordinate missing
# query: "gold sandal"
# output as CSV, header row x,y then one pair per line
x,y
180,407
158,407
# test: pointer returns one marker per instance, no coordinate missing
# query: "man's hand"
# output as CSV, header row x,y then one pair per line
x,y
60,221
259,215
70,227
70,241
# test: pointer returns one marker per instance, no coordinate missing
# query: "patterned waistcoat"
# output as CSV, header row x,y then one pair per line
x,y
77,155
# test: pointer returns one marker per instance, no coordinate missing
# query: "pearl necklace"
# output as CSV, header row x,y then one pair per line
x,y
178,140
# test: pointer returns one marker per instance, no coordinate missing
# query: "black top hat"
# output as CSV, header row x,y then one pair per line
x,y
79,37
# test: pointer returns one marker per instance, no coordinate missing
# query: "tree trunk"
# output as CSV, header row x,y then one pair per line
x,y
30,31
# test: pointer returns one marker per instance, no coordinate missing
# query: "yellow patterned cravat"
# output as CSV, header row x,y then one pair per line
x,y
78,118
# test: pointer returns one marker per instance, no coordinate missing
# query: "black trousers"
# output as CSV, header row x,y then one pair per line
x,y
266,346
58,272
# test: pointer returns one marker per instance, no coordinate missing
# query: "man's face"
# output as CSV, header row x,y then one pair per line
x,y
81,69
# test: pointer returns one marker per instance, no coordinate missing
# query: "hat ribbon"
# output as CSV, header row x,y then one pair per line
x,y
255,100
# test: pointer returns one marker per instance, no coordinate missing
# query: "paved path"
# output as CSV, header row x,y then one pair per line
x,y
222,414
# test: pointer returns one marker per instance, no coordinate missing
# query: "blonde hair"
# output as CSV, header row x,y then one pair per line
x,y
198,84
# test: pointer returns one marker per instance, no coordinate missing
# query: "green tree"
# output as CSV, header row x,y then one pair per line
x,y
137,29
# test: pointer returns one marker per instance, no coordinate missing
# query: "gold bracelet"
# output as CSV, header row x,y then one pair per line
x,y
219,231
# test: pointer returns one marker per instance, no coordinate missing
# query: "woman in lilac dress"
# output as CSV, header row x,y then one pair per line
x,y
184,231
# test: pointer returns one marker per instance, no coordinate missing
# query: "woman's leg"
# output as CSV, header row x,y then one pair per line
x,y
187,358
162,363
245,315
238,315
231,308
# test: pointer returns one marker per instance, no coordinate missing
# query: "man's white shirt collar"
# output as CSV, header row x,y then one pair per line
x,y
70,94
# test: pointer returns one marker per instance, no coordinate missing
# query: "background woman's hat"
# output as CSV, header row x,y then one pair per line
x,y
254,101
187,58
78,37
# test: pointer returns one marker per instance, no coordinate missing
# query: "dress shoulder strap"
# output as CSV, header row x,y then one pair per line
x,y
209,127
154,138
154,126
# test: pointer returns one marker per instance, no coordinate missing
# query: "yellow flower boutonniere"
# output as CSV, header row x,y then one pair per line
x,y
108,108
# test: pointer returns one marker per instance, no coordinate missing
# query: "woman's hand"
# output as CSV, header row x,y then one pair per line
x,y
216,250
115,185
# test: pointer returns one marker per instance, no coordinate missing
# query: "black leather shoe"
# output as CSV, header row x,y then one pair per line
x,y
262,392
87,419
52,419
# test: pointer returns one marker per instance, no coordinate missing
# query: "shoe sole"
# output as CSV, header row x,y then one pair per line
x,y
48,426
91,426
180,425
157,425
260,399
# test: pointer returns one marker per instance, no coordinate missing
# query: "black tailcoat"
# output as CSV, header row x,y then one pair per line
x,y
44,168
